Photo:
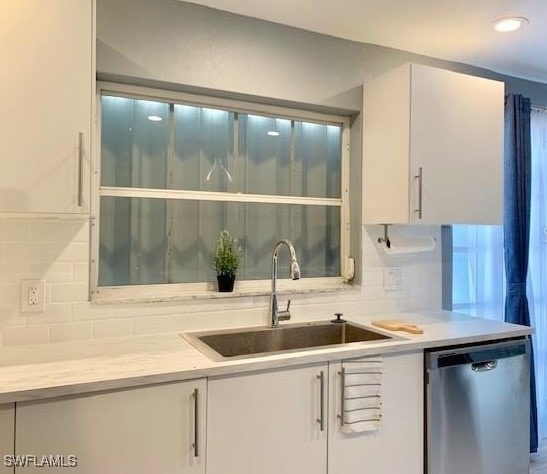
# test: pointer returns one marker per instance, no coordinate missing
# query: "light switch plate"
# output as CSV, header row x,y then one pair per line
x,y
393,278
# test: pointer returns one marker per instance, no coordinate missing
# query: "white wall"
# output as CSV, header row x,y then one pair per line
x,y
190,46
57,251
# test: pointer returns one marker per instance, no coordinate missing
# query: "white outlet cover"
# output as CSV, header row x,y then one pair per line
x,y
393,278
33,296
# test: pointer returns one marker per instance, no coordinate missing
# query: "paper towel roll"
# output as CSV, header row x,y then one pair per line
x,y
410,245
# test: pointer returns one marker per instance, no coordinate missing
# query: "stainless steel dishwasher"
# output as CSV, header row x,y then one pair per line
x,y
478,409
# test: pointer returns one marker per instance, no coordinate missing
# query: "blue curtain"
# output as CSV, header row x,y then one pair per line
x,y
517,201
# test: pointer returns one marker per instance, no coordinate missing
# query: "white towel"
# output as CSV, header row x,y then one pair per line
x,y
364,378
362,395
366,414
371,364
351,404
363,426
360,391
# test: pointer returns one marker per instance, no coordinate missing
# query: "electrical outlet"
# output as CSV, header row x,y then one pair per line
x,y
33,295
393,278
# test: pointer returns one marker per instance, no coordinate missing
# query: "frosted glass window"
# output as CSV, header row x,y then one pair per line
x,y
202,149
134,142
265,160
317,160
156,241
190,157
132,242
289,157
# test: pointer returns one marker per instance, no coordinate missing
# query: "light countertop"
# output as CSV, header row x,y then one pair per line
x,y
36,372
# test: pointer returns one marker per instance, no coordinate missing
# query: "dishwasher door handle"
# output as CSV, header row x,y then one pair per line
x,y
484,366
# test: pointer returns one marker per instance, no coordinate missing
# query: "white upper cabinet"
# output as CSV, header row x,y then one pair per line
x,y
432,148
47,77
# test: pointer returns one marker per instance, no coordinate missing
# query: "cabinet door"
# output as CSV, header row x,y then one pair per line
x,y
142,430
397,447
267,423
457,142
45,103
386,146
7,434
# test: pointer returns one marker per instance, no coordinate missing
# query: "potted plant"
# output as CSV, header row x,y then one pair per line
x,y
226,261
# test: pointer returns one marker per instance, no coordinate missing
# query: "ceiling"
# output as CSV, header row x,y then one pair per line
x,y
455,30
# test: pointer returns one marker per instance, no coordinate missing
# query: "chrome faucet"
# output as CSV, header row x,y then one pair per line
x,y
275,314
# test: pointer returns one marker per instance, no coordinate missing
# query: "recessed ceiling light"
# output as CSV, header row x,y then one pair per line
x,y
154,118
506,25
272,133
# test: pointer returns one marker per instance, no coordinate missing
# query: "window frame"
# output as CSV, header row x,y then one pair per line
x,y
177,291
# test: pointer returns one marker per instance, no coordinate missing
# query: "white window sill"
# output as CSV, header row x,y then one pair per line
x,y
208,291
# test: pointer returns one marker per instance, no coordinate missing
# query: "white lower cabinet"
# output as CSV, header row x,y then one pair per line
x,y
268,422
138,431
397,446
7,433
280,421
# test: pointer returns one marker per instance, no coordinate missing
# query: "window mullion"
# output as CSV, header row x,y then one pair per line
x,y
169,206
345,224
292,180
234,159
234,170
134,214
176,194
240,154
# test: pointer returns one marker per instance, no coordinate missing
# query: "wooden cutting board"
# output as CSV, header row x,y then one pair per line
x,y
395,325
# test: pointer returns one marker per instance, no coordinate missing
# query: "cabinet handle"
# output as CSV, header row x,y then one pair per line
x,y
195,444
342,400
80,168
321,419
419,177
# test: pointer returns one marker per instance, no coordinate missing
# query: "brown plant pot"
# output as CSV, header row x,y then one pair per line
x,y
225,283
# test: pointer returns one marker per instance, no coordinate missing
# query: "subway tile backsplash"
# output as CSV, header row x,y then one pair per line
x,y
58,252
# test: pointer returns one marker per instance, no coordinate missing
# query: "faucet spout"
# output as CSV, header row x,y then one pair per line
x,y
275,314
295,270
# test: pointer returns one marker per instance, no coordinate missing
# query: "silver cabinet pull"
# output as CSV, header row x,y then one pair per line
x,y
342,374
80,169
195,444
419,177
321,419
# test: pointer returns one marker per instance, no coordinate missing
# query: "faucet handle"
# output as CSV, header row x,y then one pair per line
x,y
284,315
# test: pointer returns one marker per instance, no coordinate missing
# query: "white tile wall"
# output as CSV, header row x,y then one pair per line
x,y
58,251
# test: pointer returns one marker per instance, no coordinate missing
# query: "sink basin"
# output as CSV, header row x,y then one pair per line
x,y
254,342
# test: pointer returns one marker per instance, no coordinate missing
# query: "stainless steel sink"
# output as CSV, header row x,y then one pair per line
x,y
254,342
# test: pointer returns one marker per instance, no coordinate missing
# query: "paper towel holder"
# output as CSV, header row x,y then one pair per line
x,y
385,238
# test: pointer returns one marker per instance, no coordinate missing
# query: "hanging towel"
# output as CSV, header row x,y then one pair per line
x,y
360,403
363,378
352,392
362,395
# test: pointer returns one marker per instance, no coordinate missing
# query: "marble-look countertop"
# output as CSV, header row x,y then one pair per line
x,y
38,372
